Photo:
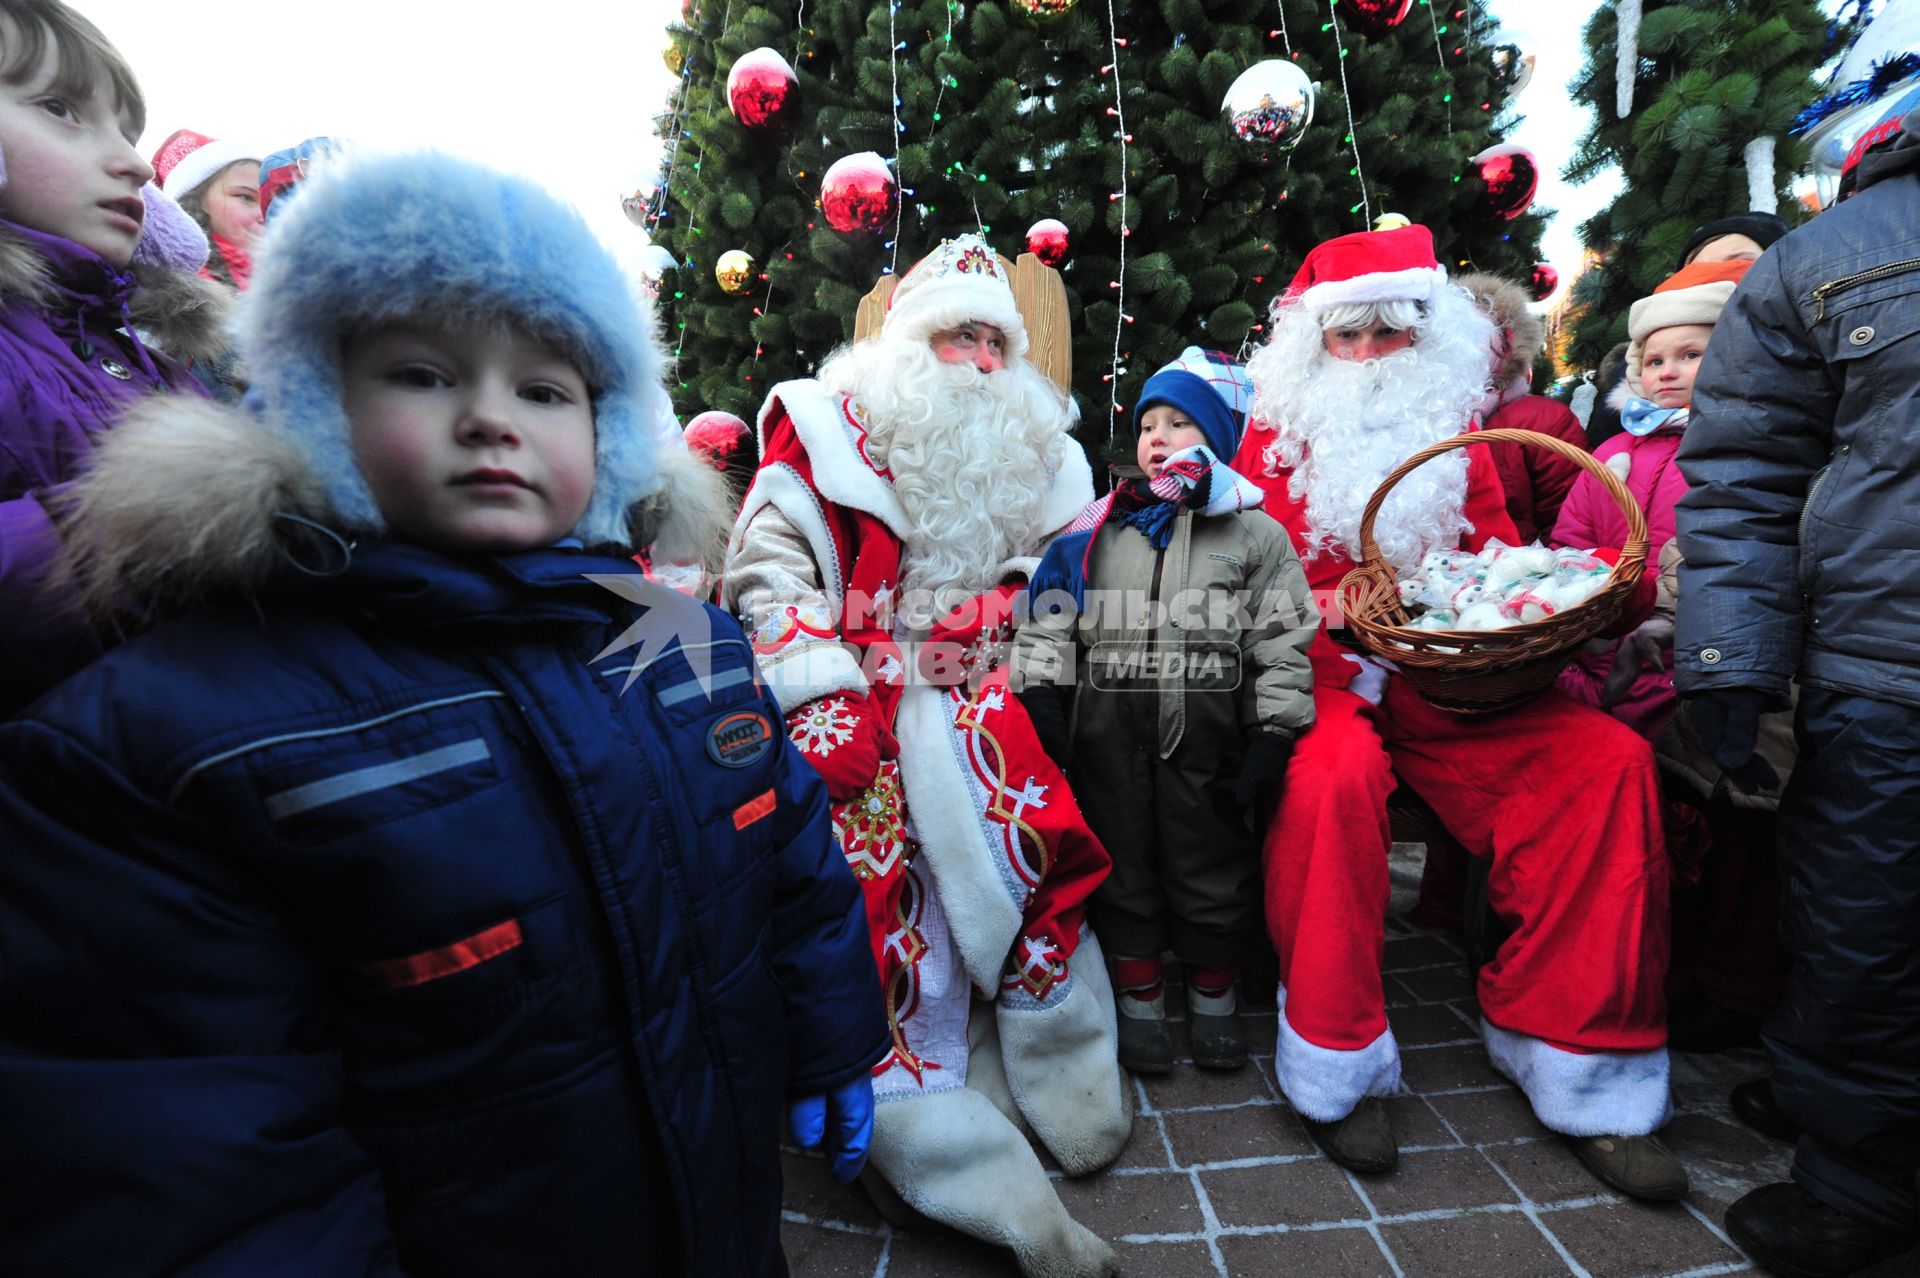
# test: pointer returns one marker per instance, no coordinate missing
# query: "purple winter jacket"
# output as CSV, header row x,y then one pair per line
x,y
69,373
1590,518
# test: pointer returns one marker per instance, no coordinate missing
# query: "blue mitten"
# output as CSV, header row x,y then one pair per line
x,y
844,1118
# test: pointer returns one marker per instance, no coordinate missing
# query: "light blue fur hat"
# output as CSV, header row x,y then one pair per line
x,y
381,239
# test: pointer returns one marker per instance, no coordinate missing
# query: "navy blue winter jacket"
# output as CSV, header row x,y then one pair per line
x,y
382,928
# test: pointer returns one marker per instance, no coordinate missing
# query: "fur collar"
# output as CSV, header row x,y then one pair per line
x,y
1511,311
189,499
181,314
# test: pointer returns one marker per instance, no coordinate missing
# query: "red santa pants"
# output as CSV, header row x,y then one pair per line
x,y
1561,798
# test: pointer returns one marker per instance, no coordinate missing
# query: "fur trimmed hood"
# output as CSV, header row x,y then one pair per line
x,y
1510,309
176,311
258,509
383,239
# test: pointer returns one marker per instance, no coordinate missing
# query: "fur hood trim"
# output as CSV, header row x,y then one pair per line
x,y
184,501
383,239
1509,307
179,313
688,518
1617,397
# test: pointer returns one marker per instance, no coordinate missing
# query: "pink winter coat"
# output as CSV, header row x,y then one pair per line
x,y
1589,519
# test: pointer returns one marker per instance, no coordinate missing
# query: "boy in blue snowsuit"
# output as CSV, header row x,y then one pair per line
x,y
438,896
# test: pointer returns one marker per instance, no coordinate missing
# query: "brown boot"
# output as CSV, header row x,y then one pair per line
x,y
1363,1141
1639,1166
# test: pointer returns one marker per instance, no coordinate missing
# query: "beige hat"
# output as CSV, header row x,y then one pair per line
x,y
1674,303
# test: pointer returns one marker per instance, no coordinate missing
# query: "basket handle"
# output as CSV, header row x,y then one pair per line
x,y
1635,548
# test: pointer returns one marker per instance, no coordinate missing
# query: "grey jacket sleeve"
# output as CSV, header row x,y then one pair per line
x,y
1279,678
1762,427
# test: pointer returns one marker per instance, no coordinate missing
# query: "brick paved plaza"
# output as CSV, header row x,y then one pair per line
x,y
1219,1178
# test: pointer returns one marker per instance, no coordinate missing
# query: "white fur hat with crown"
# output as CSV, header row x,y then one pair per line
x,y
960,281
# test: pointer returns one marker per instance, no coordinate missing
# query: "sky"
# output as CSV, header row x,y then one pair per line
x,y
566,91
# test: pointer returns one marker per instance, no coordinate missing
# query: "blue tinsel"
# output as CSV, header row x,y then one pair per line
x,y
1883,75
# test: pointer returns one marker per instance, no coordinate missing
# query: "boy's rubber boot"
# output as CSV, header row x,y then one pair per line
x,y
1219,1042
1140,1005
953,1157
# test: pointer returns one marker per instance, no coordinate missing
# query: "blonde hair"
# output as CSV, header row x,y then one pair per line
x,y
82,56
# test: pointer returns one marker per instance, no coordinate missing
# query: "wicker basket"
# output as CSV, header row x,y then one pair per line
x,y
1478,671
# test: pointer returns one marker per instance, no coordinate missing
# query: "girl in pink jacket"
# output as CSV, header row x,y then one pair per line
x,y
1632,678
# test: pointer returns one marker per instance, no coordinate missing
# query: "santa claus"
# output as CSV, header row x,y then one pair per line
x,y
902,497
1374,355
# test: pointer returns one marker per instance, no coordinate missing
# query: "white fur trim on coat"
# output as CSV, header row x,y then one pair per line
x,y
840,474
1415,284
1325,1083
1585,1094
981,908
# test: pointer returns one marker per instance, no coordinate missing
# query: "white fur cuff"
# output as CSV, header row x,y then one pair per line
x,y
1325,1083
807,671
1585,1094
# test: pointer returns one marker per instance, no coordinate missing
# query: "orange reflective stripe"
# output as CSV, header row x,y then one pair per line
x,y
448,959
752,810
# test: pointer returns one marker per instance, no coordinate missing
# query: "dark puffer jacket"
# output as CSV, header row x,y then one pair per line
x,y
1801,529
385,928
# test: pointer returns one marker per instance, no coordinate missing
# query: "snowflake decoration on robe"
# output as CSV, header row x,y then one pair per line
x,y
822,726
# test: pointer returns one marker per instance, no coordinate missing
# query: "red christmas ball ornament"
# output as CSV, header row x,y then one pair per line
x,y
858,193
1047,240
763,93
1510,175
1545,279
720,438
1375,17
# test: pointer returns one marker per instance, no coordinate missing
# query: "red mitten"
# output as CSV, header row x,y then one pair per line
x,y
842,737
1639,604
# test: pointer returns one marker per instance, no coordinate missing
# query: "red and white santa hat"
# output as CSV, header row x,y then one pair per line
x,y
958,282
186,160
1368,267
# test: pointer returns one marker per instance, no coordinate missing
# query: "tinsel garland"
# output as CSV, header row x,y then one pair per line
x,y
1882,76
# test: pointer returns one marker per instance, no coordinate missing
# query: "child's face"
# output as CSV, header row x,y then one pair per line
x,y
1164,431
1669,362
232,201
473,440
72,170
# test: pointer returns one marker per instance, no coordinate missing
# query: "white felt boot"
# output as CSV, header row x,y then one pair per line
x,y
1063,1067
953,1157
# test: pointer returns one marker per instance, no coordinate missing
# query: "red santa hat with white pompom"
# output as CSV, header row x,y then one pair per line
x,y
1368,267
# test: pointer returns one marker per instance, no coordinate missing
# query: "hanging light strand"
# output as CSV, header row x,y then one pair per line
x,y
1346,100
893,66
1119,109
1441,54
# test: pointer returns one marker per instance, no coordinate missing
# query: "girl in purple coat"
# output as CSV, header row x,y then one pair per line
x,y
1633,679
90,256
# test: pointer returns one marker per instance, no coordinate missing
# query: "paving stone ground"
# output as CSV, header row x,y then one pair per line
x,y
1219,1178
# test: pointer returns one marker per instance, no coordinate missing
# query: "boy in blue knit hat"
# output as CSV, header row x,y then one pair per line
x,y
437,895
1163,663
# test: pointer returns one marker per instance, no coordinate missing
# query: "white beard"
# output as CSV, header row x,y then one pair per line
x,y
973,457
1340,426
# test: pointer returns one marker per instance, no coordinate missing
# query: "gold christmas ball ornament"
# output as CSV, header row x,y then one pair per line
x,y
1391,221
735,271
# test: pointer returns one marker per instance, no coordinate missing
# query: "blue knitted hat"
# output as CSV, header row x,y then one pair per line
x,y
377,240
1211,388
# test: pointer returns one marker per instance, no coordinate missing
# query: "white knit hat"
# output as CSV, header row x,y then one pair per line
x,y
958,282
187,160
1698,304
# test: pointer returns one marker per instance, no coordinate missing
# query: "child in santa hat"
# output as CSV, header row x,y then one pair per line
x,y
1179,725
217,182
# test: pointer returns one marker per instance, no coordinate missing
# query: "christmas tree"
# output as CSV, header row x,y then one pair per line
x,y
1699,132
1107,117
